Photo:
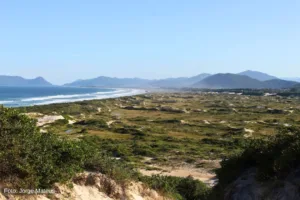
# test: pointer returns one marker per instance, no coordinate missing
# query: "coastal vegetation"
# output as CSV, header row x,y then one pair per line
x,y
180,144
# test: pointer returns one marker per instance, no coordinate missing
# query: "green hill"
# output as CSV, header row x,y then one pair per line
x,y
225,81
229,81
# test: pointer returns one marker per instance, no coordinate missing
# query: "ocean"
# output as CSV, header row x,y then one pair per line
x,y
29,96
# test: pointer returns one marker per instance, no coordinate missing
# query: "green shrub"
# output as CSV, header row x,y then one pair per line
x,y
60,122
178,188
31,159
93,123
273,158
129,130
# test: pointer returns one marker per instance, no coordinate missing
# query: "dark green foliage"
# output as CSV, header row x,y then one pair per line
x,y
93,123
101,161
31,159
129,130
143,150
273,158
236,142
60,122
178,188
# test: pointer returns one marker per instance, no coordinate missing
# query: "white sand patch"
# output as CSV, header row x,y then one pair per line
x,y
99,109
250,122
183,122
248,130
71,121
110,122
47,119
109,110
43,131
286,125
91,193
92,187
206,122
223,122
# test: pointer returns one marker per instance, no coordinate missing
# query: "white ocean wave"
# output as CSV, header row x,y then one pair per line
x,y
73,95
71,98
54,97
6,102
93,97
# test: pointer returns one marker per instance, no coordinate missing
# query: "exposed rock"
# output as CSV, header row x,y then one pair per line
x,y
246,187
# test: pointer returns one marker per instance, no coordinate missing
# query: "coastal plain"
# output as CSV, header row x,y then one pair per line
x,y
178,134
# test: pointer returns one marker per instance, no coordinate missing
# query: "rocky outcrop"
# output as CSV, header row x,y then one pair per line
x,y
246,187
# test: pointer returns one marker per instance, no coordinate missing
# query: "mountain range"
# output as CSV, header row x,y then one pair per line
x,y
219,81
20,81
246,79
258,75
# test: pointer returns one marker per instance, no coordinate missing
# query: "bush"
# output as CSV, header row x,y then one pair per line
x,y
274,158
178,188
130,130
31,159
93,123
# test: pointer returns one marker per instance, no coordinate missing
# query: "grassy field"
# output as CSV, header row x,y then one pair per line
x,y
159,130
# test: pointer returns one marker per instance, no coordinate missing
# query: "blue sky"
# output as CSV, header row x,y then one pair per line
x,y
68,40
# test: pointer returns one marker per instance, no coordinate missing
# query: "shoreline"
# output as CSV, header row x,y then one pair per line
x,y
70,98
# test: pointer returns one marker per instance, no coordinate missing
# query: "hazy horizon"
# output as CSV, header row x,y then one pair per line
x,y
141,77
63,41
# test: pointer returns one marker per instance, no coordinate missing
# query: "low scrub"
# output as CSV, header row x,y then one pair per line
x,y
273,158
30,159
178,188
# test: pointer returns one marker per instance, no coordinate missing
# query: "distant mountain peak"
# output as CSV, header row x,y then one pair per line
x,y
104,81
258,75
20,81
39,78
227,80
